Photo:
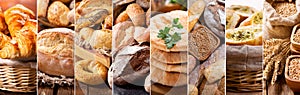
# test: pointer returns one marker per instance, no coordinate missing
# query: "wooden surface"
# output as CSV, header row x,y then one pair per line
x,y
56,90
85,89
15,93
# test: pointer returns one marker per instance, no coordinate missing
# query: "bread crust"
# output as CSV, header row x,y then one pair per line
x,y
55,51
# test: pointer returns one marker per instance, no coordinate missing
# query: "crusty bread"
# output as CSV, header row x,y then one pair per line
x,y
42,7
160,21
55,51
167,78
169,57
202,42
58,14
136,14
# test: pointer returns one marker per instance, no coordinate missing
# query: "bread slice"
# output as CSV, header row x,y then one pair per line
x,y
202,42
169,57
167,78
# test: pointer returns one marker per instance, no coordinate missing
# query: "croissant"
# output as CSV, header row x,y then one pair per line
x,y
22,28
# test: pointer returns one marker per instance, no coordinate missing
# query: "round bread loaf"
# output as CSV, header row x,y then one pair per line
x,y
161,21
55,51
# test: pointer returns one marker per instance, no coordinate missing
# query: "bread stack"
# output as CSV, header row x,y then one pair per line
x,y
168,66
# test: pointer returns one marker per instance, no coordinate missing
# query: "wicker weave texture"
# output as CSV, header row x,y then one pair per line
x,y
18,79
244,81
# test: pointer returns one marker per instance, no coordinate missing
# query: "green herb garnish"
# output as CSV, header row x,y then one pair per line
x,y
170,40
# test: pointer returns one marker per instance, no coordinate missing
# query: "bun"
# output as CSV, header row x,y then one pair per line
x,y
58,14
55,51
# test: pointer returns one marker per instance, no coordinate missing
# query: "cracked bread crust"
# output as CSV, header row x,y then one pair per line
x,y
55,51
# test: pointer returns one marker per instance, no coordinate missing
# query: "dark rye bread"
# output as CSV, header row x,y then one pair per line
x,y
202,42
131,65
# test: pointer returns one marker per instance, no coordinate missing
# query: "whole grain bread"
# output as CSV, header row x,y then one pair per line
x,y
202,42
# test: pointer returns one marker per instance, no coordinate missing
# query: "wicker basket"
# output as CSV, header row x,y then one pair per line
x,y
17,79
244,81
244,69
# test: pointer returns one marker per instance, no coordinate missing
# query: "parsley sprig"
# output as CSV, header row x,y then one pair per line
x,y
170,40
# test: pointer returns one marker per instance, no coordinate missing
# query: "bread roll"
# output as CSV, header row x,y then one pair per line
x,y
108,22
122,17
101,39
55,51
42,7
58,14
136,14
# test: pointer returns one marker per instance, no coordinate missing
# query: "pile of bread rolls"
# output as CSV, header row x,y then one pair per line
x,y
93,40
17,33
131,47
169,66
55,13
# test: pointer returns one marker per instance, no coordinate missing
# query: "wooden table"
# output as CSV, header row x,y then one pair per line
x,y
56,90
85,89
2,92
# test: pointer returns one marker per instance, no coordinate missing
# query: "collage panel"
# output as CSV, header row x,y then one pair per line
x,y
18,32
55,47
169,42
281,47
206,47
93,46
244,49
130,47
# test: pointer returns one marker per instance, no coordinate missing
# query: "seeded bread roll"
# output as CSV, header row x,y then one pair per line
x,y
58,14
55,51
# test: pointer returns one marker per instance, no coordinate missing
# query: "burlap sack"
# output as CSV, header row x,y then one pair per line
x,y
276,26
244,58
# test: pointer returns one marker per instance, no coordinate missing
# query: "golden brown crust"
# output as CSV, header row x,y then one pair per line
x,y
55,51
58,14
22,28
90,72
108,22
136,14
3,25
122,17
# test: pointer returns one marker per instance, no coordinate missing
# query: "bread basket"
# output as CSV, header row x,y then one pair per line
x,y
292,83
17,78
295,44
244,69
